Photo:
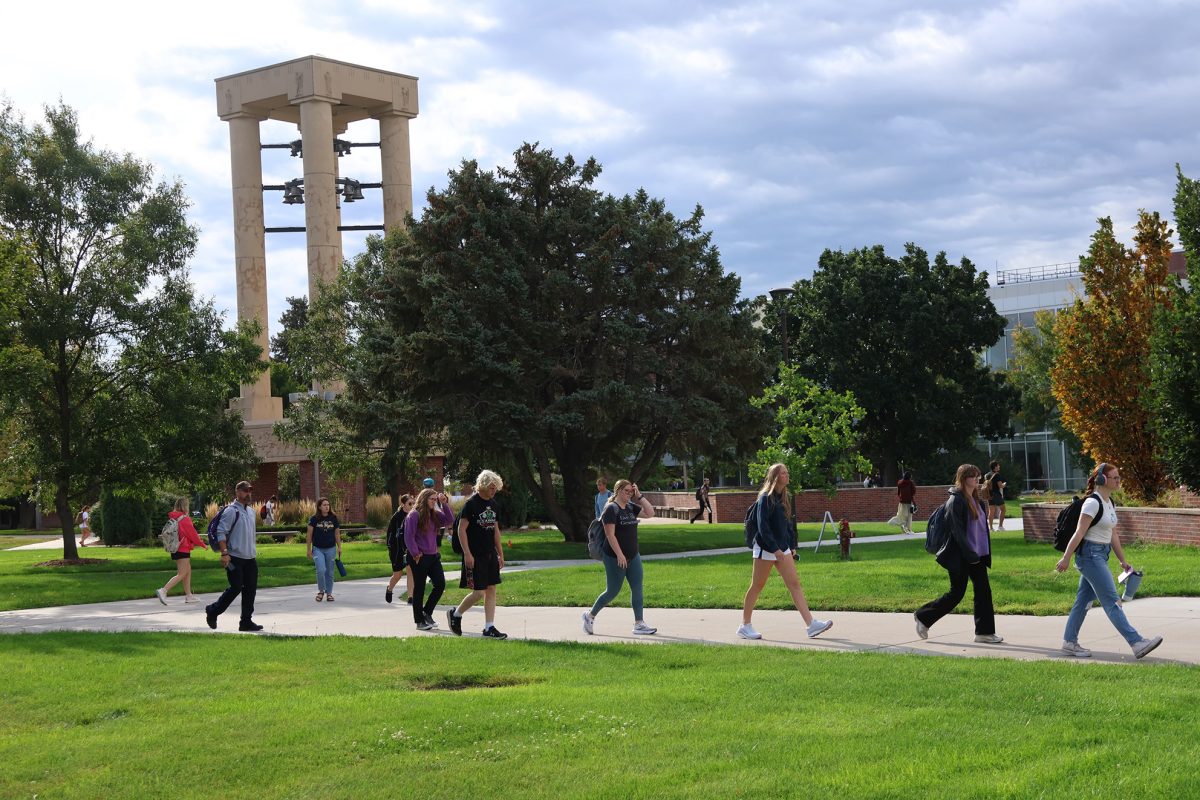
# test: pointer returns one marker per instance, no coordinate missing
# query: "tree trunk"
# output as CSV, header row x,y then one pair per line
x,y
62,505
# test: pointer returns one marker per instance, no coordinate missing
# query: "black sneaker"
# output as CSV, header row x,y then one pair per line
x,y
250,627
387,595
455,623
494,633
210,617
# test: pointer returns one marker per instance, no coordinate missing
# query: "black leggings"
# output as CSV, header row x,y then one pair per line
x,y
704,504
429,567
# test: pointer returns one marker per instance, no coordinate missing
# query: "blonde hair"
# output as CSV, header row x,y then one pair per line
x,y
182,505
968,471
770,487
617,487
488,479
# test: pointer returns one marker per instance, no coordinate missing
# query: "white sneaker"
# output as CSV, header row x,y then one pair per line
x,y
1142,647
989,638
818,627
746,631
191,598
642,629
588,621
161,595
1074,649
922,628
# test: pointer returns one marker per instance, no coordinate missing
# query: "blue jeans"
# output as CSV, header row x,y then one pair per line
x,y
616,576
323,558
1096,583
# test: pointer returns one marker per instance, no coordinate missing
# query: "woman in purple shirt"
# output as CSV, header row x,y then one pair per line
x,y
432,511
966,556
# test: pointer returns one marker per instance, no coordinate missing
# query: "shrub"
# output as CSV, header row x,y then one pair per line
x,y
379,510
288,486
125,520
295,512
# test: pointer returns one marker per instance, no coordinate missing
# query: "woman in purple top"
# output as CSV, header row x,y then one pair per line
x,y
432,511
967,555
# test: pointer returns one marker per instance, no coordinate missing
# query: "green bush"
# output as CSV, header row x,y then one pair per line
x,y
123,520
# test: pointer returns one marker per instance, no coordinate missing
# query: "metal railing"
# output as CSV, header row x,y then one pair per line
x,y
1045,272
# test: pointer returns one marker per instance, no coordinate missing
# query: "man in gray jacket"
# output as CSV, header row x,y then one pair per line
x,y
236,540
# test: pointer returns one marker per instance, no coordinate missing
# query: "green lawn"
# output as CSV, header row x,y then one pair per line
x,y
136,572
895,576
190,716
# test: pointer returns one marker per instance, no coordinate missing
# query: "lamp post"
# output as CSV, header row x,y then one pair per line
x,y
780,297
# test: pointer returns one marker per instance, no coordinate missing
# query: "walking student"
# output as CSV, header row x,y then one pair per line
x,y
993,487
906,493
188,541
703,501
773,546
478,532
397,552
432,511
269,511
967,555
85,525
622,562
324,540
236,540
602,496
1091,545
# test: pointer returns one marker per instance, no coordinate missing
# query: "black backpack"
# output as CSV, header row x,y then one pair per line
x,y
455,544
1068,521
751,525
937,530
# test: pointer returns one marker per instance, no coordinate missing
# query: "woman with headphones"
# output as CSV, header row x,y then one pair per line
x,y
1090,546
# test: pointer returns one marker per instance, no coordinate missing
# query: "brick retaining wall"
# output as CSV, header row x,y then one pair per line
x,y
855,503
1179,526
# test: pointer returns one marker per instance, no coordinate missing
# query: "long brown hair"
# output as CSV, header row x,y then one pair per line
x,y
968,471
771,487
424,517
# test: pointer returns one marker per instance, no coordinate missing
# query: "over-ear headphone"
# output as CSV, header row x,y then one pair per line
x,y
1101,478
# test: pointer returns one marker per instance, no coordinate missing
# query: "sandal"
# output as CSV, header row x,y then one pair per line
x,y
329,598
320,596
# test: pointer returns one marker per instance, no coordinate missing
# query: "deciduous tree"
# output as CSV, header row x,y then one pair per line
x,y
1102,375
1034,352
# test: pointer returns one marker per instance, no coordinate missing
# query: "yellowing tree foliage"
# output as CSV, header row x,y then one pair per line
x,y
1101,376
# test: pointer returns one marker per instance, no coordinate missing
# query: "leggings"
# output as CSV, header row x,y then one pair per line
x,y
616,576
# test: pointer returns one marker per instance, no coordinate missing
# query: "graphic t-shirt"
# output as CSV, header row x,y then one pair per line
x,y
481,520
626,522
323,528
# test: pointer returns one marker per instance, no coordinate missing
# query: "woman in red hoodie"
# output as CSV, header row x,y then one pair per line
x,y
188,539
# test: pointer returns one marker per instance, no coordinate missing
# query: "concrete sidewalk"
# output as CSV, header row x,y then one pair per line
x,y
360,610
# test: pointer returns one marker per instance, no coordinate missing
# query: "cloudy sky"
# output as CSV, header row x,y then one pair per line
x,y
995,130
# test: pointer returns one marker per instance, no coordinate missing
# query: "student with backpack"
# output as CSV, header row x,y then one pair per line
x,y
704,503
397,552
966,554
993,489
234,534
772,546
188,541
478,534
83,520
432,511
622,561
1095,536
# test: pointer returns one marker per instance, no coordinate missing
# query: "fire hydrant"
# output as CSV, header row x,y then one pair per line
x,y
844,537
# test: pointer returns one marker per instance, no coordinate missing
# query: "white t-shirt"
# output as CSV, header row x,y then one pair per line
x,y
1103,529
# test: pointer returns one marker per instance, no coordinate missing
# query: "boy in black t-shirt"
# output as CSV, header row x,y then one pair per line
x,y
478,530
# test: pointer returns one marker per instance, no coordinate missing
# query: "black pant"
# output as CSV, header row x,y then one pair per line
x,y
700,511
429,567
243,580
985,616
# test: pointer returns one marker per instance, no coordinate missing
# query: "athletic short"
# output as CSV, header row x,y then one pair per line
x,y
399,558
996,500
766,555
177,556
486,572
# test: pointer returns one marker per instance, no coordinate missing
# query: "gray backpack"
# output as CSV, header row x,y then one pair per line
x,y
596,537
170,536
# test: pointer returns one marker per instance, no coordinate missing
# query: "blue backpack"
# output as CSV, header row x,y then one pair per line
x,y
937,530
212,528
751,524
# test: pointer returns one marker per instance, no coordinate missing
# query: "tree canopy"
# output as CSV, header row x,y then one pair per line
x,y
1034,352
902,336
1102,373
535,320
113,368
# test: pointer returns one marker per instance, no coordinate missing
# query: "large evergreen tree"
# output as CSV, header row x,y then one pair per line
x,y
903,336
556,327
116,372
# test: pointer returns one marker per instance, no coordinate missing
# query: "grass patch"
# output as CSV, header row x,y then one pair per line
x,y
344,718
11,541
892,576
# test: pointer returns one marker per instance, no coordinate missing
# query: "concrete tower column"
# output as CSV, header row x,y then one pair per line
x,y
250,258
397,168
320,203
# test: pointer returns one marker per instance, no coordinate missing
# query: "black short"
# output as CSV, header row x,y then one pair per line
x,y
399,557
177,556
996,500
486,572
